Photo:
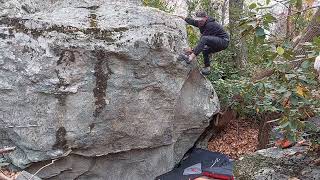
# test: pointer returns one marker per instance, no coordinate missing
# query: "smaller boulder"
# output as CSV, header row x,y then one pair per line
x,y
278,164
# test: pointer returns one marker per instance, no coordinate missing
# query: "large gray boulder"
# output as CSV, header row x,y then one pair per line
x,y
99,88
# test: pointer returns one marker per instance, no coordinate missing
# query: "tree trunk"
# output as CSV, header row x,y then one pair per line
x,y
223,11
237,45
313,30
288,29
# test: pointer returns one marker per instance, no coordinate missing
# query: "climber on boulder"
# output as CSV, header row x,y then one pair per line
x,y
213,39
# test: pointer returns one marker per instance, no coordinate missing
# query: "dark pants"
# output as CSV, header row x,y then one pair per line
x,y
208,45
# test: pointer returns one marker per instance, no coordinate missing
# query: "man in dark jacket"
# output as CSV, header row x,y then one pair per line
x,y
213,39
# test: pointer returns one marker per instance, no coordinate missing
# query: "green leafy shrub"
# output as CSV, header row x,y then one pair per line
x,y
286,92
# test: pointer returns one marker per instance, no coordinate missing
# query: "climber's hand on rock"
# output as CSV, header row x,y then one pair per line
x,y
182,17
188,50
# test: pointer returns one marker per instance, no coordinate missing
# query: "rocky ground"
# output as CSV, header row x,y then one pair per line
x,y
279,164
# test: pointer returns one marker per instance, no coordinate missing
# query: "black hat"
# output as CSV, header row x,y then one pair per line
x,y
201,14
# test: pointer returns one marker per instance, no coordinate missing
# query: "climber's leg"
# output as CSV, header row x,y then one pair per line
x,y
214,42
206,57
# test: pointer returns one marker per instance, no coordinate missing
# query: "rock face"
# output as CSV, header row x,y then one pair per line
x,y
24,175
97,86
278,164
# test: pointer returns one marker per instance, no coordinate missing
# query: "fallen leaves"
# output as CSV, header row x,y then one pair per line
x,y
240,137
284,143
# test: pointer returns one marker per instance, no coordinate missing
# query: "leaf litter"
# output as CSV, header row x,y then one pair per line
x,y
238,138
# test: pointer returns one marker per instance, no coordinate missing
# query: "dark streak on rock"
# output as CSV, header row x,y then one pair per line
x,y
101,81
120,56
5,36
91,126
25,8
66,58
97,33
27,49
99,90
62,98
90,7
157,40
61,142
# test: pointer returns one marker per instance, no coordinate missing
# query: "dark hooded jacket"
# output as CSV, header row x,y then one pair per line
x,y
209,27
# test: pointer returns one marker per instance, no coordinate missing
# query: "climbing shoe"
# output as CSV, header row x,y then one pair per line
x,y
183,57
206,71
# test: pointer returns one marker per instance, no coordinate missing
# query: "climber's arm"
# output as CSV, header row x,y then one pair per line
x,y
191,21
